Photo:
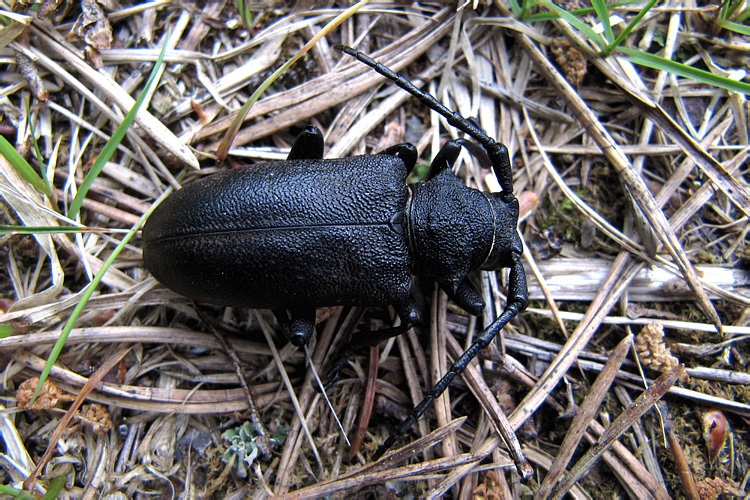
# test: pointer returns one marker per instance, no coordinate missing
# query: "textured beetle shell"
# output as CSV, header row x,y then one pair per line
x,y
449,227
453,229
295,233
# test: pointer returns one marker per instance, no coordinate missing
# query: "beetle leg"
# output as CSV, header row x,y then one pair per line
x,y
500,161
299,328
518,299
448,155
445,158
497,152
466,297
308,145
408,313
406,151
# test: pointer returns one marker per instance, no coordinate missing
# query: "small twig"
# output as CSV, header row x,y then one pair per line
x,y
686,475
264,443
367,404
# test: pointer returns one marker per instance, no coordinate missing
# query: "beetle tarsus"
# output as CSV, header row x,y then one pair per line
x,y
407,152
299,327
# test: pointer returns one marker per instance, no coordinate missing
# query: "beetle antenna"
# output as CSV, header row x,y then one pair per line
x,y
454,118
497,152
325,395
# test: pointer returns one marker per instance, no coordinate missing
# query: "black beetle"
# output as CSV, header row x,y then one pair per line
x,y
307,232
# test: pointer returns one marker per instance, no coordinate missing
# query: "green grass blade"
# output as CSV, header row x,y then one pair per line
x,y
526,6
232,131
56,485
87,292
243,9
515,8
548,16
37,151
603,14
660,63
576,23
742,16
727,10
631,25
14,493
13,25
742,29
22,167
109,149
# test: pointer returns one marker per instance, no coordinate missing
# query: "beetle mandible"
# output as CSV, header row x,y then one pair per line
x,y
309,232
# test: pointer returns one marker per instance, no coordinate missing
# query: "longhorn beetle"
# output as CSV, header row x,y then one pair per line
x,y
307,232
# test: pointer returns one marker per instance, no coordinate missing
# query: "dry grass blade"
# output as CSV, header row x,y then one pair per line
x,y
533,108
415,391
720,177
620,275
581,421
416,446
579,279
706,192
541,281
497,417
583,154
344,145
60,430
544,460
15,459
623,455
634,184
33,210
641,405
120,334
439,365
153,398
318,95
413,472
